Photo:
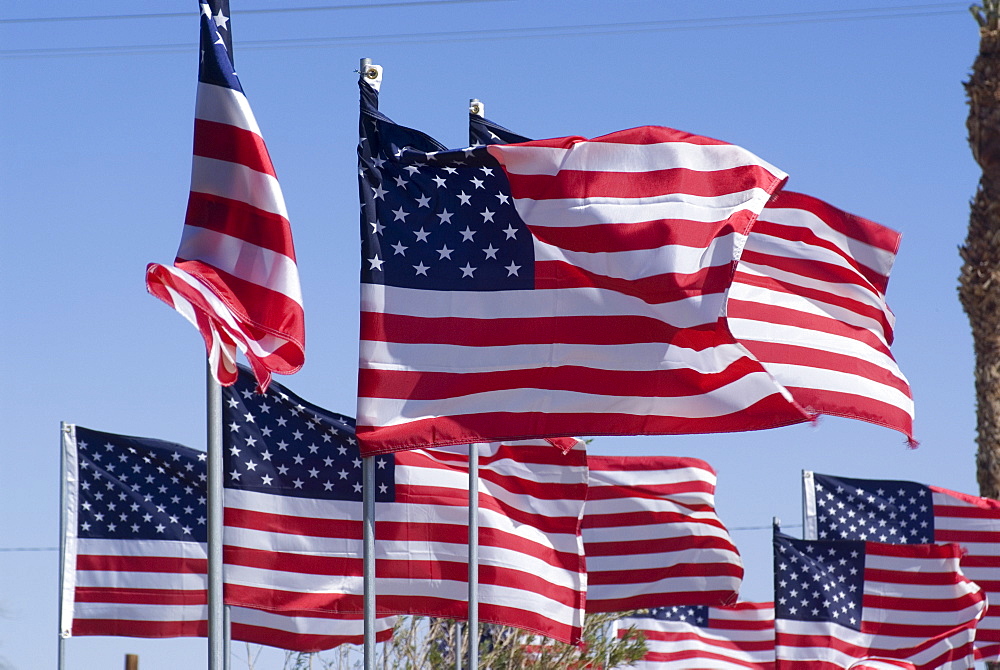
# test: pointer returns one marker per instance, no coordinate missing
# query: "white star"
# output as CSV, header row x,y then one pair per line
x,y
221,19
379,192
400,214
512,269
445,252
504,198
421,268
491,252
510,231
478,183
377,227
439,180
376,263
468,270
465,198
487,215
424,201
399,249
421,234
445,216
467,234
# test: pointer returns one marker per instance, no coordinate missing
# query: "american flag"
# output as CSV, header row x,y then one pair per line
x,y
881,664
293,520
907,512
735,637
837,603
553,288
808,300
135,562
235,276
652,536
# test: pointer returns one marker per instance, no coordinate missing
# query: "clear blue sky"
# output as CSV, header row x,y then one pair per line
x,y
864,109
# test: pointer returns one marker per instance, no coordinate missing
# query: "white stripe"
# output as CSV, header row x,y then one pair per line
x,y
822,379
687,475
691,209
237,182
643,263
141,612
630,560
166,581
658,531
142,548
222,104
307,625
257,265
538,303
622,157
875,258
729,399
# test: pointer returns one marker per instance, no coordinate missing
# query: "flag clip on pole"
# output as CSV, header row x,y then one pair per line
x,y
477,108
473,557
371,74
810,530
68,492
216,617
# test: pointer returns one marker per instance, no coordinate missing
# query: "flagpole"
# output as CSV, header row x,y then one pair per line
x,y
368,521
216,616
473,557
809,529
63,429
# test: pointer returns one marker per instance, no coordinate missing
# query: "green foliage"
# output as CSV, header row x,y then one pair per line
x,y
987,15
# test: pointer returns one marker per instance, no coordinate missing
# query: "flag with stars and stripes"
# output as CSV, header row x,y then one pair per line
x,y
652,535
734,637
554,288
902,512
808,301
840,602
135,561
293,520
235,276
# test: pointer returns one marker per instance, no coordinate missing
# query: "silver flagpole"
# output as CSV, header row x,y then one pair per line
x,y
368,497
809,528
216,615
473,557
63,429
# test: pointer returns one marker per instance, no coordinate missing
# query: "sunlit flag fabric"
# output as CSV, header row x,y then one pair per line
x,y
837,603
554,288
907,512
235,275
135,561
808,300
735,637
293,520
652,535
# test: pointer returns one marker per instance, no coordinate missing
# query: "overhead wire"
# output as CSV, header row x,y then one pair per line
x,y
500,34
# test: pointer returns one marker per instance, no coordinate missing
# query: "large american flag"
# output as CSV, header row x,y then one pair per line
x,y
652,535
808,300
907,512
235,276
735,637
136,561
841,602
554,288
293,520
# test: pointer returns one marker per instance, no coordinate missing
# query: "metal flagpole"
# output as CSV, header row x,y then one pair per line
x,y
63,429
368,515
473,557
809,528
216,616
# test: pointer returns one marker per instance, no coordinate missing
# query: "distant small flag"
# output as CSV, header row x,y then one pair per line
x,y
235,275
652,535
293,520
902,512
136,561
837,603
735,637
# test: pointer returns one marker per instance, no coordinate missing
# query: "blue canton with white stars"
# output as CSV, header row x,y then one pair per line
x,y
819,581
696,615
133,488
277,442
436,219
891,512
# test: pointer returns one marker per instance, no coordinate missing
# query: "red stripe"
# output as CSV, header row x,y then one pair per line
x,y
640,517
688,491
240,220
225,142
140,596
623,464
639,236
581,184
690,573
770,412
640,135
501,332
374,383
113,563
843,222
115,627
654,289
303,642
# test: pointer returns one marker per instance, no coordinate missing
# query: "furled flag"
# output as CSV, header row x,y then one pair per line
x,y
808,301
735,637
293,520
554,288
837,603
842,508
135,561
652,536
235,276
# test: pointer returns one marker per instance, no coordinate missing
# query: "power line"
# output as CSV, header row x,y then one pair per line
x,y
826,16
11,549
243,12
